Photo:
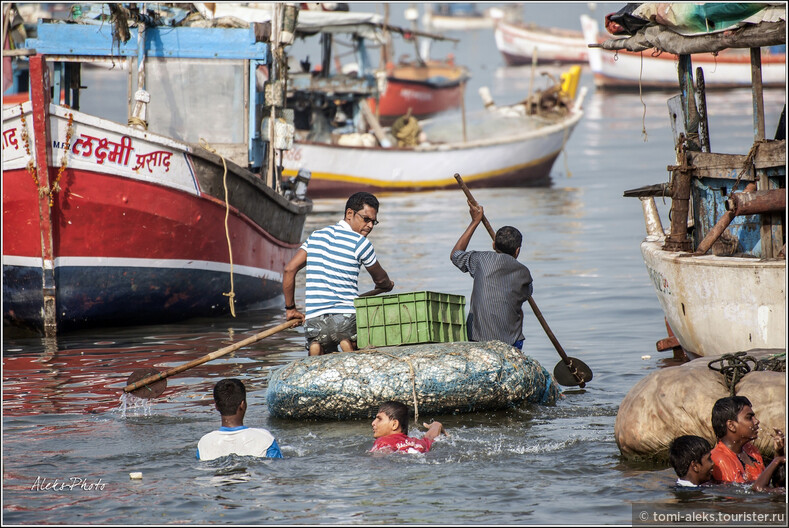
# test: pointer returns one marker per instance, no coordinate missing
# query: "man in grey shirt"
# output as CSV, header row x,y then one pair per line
x,y
501,284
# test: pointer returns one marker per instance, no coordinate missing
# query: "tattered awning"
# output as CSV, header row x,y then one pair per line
x,y
665,40
682,28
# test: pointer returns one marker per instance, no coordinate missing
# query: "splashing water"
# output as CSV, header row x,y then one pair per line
x,y
134,405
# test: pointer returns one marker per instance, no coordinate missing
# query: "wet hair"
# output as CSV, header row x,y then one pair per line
x,y
357,201
396,411
727,409
228,395
508,240
687,449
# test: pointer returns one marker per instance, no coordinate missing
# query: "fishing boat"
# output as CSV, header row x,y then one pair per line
x,y
422,86
345,149
176,213
621,68
719,272
521,43
456,16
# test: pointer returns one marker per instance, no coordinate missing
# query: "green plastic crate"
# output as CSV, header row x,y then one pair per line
x,y
410,318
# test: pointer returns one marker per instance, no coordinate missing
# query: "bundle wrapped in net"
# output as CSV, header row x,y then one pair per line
x,y
435,378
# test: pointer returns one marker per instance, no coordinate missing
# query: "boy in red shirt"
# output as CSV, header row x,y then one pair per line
x,y
736,458
390,430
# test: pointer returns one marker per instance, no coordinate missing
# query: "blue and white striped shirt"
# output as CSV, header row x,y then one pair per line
x,y
501,286
334,256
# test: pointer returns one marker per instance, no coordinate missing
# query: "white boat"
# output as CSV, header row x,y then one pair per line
x,y
339,141
624,69
456,16
520,43
720,271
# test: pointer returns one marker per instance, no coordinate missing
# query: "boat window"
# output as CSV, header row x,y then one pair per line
x,y
195,98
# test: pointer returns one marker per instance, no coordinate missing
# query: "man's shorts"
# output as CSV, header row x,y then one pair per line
x,y
328,330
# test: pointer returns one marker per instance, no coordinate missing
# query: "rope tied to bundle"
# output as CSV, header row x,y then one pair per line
x,y
735,366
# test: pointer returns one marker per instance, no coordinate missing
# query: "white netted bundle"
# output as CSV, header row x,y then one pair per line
x,y
435,378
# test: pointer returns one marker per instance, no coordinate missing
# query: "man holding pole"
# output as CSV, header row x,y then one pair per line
x,y
501,283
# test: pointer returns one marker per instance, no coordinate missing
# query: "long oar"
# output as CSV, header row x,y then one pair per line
x,y
148,383
576,371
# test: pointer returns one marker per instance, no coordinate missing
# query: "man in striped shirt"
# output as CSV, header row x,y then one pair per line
x,y
501,284
333,256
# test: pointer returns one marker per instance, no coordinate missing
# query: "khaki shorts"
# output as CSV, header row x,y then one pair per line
x,y
328,330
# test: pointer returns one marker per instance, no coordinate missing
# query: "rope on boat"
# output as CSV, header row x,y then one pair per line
x,y
231,294
134,120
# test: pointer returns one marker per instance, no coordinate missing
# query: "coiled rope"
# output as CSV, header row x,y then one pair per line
x,y
737,366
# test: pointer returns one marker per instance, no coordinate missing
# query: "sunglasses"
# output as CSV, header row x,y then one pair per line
x,y
367,220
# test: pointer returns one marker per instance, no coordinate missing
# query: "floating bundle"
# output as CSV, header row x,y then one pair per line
x,y
676,401
435,378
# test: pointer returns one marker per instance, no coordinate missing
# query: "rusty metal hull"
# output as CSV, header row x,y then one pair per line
x,y
719,305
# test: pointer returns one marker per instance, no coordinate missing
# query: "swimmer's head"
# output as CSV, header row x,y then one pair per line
x,y
229,394
690,458
393,411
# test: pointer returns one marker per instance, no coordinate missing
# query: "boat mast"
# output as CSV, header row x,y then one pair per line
x,y
138,119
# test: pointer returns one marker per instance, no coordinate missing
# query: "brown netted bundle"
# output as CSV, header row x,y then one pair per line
x,y
435,378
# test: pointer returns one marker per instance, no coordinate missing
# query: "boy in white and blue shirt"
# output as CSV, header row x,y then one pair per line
x,y
235,438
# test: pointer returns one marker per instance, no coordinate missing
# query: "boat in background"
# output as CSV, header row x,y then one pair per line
x,y
169,216
727,68
345,149
456,16
719,272
421,87
519,43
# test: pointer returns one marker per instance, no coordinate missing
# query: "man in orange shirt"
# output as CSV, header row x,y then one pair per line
x,y
736,458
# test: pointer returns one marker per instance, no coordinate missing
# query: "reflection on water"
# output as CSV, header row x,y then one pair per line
x,y
533,465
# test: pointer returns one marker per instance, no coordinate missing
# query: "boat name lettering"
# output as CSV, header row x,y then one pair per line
x,y
9,138
293,154
413,94
157,158
105,149
661,283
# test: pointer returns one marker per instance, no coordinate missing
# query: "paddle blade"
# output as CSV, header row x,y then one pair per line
x,y
151,390
564,373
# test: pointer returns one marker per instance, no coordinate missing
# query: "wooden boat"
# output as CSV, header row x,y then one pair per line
x,y
456,16
435,378
424,89
108,223
726,68
343,146
720,271
519,43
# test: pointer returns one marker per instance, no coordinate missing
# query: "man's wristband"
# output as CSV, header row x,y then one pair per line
x,y
291,307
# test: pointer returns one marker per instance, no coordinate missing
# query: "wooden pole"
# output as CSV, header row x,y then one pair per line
x,y
208,357
532,303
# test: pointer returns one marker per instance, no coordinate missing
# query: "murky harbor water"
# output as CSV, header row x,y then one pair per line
x,y
68,450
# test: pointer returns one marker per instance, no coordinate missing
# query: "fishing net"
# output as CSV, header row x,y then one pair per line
x,y
435,378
